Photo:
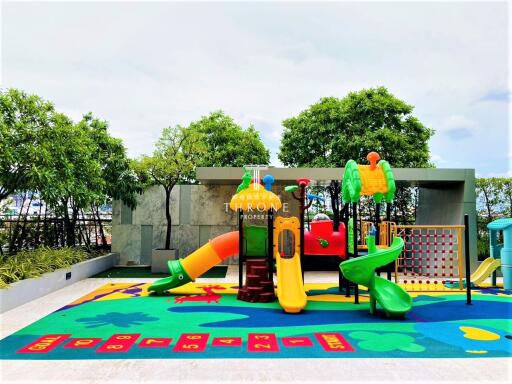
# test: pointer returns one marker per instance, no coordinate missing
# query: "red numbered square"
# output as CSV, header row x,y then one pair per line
x,y
155,342
302,341
227,342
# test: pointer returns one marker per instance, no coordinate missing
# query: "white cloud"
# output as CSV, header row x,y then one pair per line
x,y
458,127
438,160
456,122
143,66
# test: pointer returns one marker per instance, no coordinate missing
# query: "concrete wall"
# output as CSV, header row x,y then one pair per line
x,y
198,213
447,203
23,291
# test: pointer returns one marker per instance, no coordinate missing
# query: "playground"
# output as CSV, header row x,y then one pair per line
x,y
427,304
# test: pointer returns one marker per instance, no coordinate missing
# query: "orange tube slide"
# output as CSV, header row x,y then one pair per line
x,y
211,254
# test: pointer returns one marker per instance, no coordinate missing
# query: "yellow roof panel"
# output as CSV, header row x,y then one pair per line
x,y
255,198
372,180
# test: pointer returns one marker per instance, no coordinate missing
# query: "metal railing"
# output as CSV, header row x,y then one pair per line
x,y
32,232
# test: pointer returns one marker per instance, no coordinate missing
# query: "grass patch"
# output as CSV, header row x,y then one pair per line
x,y
218,271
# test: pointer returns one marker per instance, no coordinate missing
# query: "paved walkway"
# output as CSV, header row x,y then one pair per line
x,y
234,370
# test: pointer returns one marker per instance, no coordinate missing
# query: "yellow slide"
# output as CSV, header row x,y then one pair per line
x,y
290,287
485,270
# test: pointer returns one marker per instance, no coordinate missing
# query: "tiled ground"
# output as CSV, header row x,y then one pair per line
x,y
262,370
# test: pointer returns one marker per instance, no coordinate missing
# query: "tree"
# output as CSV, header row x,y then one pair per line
x,y
494,199
333,131
177,152
487,190
227,143
76,179
70,166
119,180
505,186
23,118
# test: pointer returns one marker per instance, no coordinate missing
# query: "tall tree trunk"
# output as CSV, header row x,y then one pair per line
x,y
74,216
69,224
95,225
416,202
45,225
83,232
168,217
104,244
15,234
22,238
487,205
87,227
37,234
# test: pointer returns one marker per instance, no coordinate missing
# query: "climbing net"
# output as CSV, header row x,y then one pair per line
x,y
432,256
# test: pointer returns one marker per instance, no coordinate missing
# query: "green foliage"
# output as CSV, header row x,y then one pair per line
x,y
494,200
75,172
177,152
43,150
72,167
333,131
227,143
483,246
23,118
488,197
29,264
118,179
505,188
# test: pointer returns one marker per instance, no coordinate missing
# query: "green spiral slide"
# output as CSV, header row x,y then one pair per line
x,y
361,270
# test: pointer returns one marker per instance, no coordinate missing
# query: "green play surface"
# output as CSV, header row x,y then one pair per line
x,y
217,272
121,321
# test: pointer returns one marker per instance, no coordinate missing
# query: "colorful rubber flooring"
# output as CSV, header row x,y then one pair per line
x,y
206,321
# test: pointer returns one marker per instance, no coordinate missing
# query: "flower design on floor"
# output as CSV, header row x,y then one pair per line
x,y
123,320
386,342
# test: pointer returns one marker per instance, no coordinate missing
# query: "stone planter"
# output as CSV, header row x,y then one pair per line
x,y
160,257
27,290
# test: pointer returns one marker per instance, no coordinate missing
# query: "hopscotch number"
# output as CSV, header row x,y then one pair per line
x,y
114,346
260,346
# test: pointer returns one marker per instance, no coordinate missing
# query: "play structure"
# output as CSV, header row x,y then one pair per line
x,y
249,319
290,287
422,258
500,253
391,297
500,257
432,256
260,246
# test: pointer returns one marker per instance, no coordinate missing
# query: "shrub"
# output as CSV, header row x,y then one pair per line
x,y
28,264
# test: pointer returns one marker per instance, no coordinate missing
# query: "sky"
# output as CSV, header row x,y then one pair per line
x,y
144,66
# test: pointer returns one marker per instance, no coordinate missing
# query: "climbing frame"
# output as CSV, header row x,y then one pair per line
x,y
432,255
